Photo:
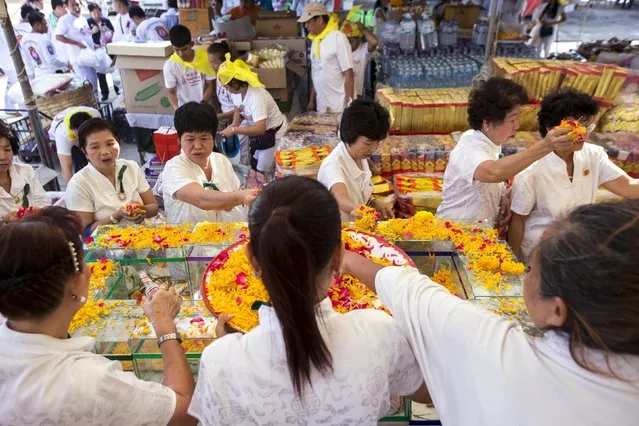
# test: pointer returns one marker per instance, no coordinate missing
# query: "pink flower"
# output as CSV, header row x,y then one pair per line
x,y
238,301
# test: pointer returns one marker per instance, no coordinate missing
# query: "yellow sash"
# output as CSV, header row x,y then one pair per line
x,y
200,62
333,24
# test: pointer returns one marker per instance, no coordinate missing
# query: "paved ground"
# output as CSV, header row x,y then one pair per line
x,y
601,24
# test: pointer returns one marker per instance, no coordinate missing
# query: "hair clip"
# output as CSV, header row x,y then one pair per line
x,y
74,254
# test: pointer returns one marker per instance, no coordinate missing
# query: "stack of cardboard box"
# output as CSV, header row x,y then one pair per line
x,y
198,18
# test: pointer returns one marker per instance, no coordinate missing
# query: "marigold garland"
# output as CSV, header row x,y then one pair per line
x,y
231,286
368,218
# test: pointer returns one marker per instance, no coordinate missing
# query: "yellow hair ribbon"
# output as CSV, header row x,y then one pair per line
x,y
237,69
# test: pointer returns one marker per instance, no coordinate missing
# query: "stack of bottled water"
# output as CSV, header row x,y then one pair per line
x,y
407,33
448,33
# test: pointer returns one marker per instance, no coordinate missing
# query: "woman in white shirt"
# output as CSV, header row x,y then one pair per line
x,y
200,185
265,124
304,363
562,180
19,185
582,290
345,172
363,43
49,377
474,179
101,191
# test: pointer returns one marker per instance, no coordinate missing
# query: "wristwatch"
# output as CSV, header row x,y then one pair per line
x,y
170,336
113,220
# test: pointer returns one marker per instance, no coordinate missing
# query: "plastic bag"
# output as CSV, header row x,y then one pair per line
x,y
87,58
104,61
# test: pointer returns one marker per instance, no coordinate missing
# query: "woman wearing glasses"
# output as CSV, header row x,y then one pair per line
x,y
564,179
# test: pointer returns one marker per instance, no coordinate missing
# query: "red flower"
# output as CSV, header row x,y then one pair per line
x,y
448,224
101,304
460,246
483,246
238,301
89,240
197,319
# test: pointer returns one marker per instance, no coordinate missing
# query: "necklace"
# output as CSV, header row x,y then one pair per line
x,y
121,193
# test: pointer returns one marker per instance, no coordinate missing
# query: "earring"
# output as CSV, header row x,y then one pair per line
x,y
73,296
83,300
258,274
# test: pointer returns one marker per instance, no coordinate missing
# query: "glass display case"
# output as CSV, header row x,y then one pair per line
x,y
400,412
197,258
170,271
509,285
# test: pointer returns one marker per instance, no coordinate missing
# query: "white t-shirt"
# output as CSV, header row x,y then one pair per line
x,y
43,54
44,380
76,29
258,104
21,29
371,362
482,369
180,171
228,100
544,192
151,29
123,25
328,80
59,132
188,83
22,175
91,192
360,60
339,167
463,196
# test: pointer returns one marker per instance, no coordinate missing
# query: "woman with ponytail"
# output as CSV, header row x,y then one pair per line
x,y
304,363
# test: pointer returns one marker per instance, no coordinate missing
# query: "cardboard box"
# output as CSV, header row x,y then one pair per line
x,y
465,15
235,30
297,60
272,78
199,21
277,24
141,67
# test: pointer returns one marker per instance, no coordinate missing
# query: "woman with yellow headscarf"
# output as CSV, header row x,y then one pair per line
x,y
363,43
264,124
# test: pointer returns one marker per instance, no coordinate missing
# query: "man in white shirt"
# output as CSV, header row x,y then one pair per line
x,y
171,16
123,23
147,29
73,30
40,48
563,180
185,83
59,9
23,27
331,60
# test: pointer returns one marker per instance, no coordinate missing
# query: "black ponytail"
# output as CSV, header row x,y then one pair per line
x,y
295,228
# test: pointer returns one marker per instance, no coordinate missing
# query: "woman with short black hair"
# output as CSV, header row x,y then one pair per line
x,y
49,377
474,178
19,185
101,191
304,363
582,293
562,180
345,172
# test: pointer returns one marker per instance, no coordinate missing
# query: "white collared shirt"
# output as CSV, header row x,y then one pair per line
x,y
180,171
483,370
360,60
339,167
464,197
371,362
91,192
22,175
59,132
123,25
543,191
44,380
44,58
334,59
77,29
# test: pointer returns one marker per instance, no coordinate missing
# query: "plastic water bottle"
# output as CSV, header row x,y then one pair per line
x,y
407,33
150,287
427,33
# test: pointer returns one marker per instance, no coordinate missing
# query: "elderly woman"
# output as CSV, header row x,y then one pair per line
x,y
110,189
44,282
474,179
562,180
582,290
265,123
200,185
19,185
345,171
